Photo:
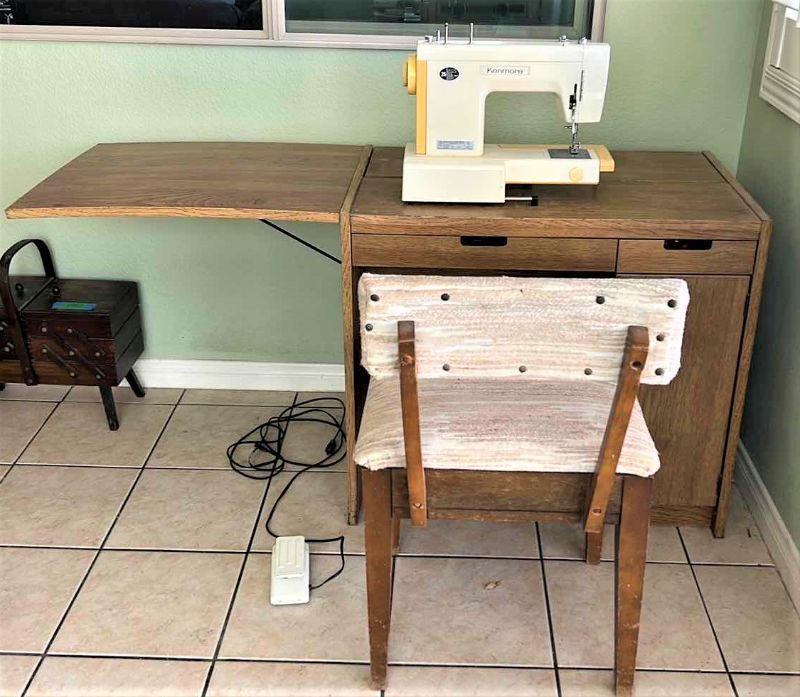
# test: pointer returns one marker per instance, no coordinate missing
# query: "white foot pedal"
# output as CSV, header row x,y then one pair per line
x,y
290,571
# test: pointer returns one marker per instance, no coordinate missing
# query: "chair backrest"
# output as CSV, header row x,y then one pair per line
x,y
528,328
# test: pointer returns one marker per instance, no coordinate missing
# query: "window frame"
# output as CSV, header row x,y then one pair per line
x,y
780,88
273,34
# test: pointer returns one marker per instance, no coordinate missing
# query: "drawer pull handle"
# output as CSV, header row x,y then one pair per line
x,y
477,241
688,245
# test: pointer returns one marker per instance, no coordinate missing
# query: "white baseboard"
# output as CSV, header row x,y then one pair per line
x,y
773,530
240,375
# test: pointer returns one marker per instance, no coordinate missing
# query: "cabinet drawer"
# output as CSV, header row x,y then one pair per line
x,y
686,256
513,253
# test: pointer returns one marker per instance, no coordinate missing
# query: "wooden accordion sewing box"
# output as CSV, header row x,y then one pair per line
x,y
68,331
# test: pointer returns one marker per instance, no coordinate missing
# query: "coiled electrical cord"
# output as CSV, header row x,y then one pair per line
x,y
269,437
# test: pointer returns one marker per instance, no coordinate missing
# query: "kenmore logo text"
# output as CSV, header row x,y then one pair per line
x,y
505,70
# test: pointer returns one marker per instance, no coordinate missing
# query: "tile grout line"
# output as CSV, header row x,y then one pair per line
x,y
129,657
401,664
20,653
779,673
36,433
708,616
27,445
550,627
63,464
8,400
220,404
94,559
173,550
236,586
401,555
153,468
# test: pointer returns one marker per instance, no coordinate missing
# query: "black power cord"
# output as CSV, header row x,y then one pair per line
x,y
268,438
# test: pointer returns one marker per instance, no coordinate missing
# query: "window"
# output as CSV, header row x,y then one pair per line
x,y
780,81
349,23
413,18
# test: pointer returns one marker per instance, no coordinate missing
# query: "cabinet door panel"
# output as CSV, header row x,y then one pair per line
x,y
689,417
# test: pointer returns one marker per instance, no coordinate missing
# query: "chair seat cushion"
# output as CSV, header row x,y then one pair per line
x,y
503,425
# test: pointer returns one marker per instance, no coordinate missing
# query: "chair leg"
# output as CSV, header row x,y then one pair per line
x,y
378,540
136,385
594,547
108,404
631,543
396,522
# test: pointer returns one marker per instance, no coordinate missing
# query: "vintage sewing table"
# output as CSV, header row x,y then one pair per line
x,y
675,214
659,214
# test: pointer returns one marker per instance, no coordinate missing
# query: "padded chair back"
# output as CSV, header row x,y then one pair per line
x,y
524,328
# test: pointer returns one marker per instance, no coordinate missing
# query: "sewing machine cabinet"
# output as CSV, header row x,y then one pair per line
x,y
659,214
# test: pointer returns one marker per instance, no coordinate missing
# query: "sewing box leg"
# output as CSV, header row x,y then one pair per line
x,y
135,383
110,407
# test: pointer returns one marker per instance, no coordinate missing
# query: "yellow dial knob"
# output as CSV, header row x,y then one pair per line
x,y
576,174
410,74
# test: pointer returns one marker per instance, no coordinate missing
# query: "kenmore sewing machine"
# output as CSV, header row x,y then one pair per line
x,y
451,79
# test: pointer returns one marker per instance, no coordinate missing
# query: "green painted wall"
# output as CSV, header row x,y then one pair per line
x,y
212,289
770,168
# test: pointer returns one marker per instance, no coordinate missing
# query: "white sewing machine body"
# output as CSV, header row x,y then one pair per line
x,y
451,80
483,179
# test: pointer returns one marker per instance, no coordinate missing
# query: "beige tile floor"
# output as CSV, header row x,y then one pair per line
x,y
136,563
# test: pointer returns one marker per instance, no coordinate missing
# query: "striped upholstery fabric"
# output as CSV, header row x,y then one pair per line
x,y
500,425
494,327
515,374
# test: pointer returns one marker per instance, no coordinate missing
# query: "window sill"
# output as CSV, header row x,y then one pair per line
x,y
781,91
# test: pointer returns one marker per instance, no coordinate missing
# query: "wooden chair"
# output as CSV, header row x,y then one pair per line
x,y
513,399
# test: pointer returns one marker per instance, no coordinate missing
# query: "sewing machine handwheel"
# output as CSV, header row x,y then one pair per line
x,y
410,74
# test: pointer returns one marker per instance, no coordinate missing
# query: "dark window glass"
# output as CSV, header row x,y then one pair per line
x,y
492,18
165,14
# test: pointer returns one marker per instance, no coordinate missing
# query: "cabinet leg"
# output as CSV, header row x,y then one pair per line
x,y
110,407
136,385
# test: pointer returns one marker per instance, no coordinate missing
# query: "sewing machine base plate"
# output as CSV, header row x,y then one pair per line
x,y
483,178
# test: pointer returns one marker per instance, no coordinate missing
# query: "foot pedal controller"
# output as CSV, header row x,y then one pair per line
x,y
290,571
